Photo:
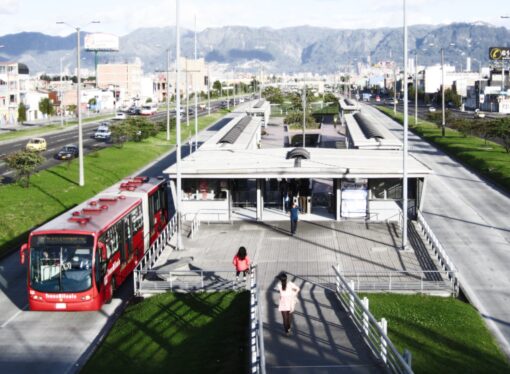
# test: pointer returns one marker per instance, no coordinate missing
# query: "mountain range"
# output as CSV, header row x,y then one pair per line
x,y
294,49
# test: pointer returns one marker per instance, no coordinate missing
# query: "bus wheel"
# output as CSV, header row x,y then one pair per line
x,y
112,290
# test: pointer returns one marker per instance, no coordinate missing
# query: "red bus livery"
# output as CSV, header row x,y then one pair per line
x,y
76,260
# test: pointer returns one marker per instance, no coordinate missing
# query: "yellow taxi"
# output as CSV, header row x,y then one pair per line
x,y
36,145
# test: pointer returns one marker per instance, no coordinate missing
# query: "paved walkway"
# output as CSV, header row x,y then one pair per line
x,y
323,339
471,219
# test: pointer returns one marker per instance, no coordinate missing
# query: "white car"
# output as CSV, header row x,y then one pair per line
x,y
102,133
432,109
119,116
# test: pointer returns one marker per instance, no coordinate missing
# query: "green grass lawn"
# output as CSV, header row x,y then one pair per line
x,y
486,158
444,335
178,333
55,190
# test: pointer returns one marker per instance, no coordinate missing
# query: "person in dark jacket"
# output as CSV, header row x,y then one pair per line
x,y
294,215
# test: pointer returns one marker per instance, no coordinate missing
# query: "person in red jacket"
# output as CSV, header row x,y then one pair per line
x,y
241,262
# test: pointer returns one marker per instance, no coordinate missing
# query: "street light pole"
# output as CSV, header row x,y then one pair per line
x,y
416,88
443,121
304,114
406,124
78,106
208,91
168,95
196,91
178,126
61,94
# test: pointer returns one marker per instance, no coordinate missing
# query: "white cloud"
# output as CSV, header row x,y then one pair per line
x,y
9,6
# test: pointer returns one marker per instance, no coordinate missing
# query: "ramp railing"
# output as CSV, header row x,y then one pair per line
x,y
258,361
155,250
374,332
445,262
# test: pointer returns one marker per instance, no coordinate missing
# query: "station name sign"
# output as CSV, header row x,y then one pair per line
x,y
499,53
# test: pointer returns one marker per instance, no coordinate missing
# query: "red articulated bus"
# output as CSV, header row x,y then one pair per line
x,y
76,260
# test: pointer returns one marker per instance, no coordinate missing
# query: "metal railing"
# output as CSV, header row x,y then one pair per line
x,y
403,281
374,332
258,361
202,214
152,255
439,251
158,281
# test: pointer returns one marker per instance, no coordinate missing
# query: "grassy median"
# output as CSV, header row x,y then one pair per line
x,y
178,333
55,190
445,335
484,157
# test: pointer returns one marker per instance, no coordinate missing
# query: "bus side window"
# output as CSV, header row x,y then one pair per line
x,y
151,214
137,219
164,202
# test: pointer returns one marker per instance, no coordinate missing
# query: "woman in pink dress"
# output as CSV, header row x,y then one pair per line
x,y
241,262
288,298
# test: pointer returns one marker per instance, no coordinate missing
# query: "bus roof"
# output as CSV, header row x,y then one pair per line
x,y
94,215
134,186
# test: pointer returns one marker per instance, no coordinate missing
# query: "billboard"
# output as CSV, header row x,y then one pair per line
x,y
499,53
101,42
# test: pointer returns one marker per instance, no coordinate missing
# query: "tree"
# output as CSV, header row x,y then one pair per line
x,y
22,113
330,98
501,131
217,86
24,163
273,95
295,120
71,108
92,101
46,106
149,100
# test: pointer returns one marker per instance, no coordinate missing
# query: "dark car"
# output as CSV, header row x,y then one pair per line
x,y
67,152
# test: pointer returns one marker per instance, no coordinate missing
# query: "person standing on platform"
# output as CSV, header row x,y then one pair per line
x,y
241,262
294,216
288,299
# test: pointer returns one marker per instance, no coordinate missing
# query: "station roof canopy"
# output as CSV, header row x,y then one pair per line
x,y
366,133
273,163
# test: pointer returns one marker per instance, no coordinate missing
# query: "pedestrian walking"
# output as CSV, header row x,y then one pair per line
x,y
288,299
241,262
294,215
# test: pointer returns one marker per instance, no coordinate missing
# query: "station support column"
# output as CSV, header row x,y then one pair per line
x,y
337,184
260,198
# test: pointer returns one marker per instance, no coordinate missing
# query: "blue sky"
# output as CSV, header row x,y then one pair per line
x,y
122,16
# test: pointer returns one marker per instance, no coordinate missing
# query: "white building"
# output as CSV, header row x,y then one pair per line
x,y
14,79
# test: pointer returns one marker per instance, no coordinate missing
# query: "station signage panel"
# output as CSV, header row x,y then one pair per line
x,y
499,53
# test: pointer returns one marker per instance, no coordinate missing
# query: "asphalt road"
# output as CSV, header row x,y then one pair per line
x,y
470,217
56,140
59,342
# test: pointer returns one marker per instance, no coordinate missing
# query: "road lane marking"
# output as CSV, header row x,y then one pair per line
x,y
14,316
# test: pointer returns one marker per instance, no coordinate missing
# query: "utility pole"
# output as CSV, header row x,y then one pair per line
x,y
208,91
394,90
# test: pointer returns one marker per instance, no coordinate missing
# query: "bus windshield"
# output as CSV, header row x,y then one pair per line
x,y
61,263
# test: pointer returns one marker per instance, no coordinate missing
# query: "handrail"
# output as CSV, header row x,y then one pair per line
x,y
151,256
258,361
445,262
374,332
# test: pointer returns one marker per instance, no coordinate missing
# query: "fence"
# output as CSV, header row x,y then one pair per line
x,y
152,255
374,332
439,251
258,361
402,281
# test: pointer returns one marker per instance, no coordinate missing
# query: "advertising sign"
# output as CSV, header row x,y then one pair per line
x,y
499,53
101,42
482,98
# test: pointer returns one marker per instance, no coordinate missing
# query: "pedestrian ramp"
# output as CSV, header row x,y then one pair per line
x,y
323,338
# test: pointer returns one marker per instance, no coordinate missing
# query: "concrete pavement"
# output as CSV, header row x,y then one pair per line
x,y
470,217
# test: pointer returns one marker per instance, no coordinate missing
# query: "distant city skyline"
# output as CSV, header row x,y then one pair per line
x,y
123,18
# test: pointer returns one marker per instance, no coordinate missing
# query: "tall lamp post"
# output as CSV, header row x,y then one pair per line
x,y
196,91
406,124
416,88
178,125
303,98
168,94
503,64
443,105
78,94
61,93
